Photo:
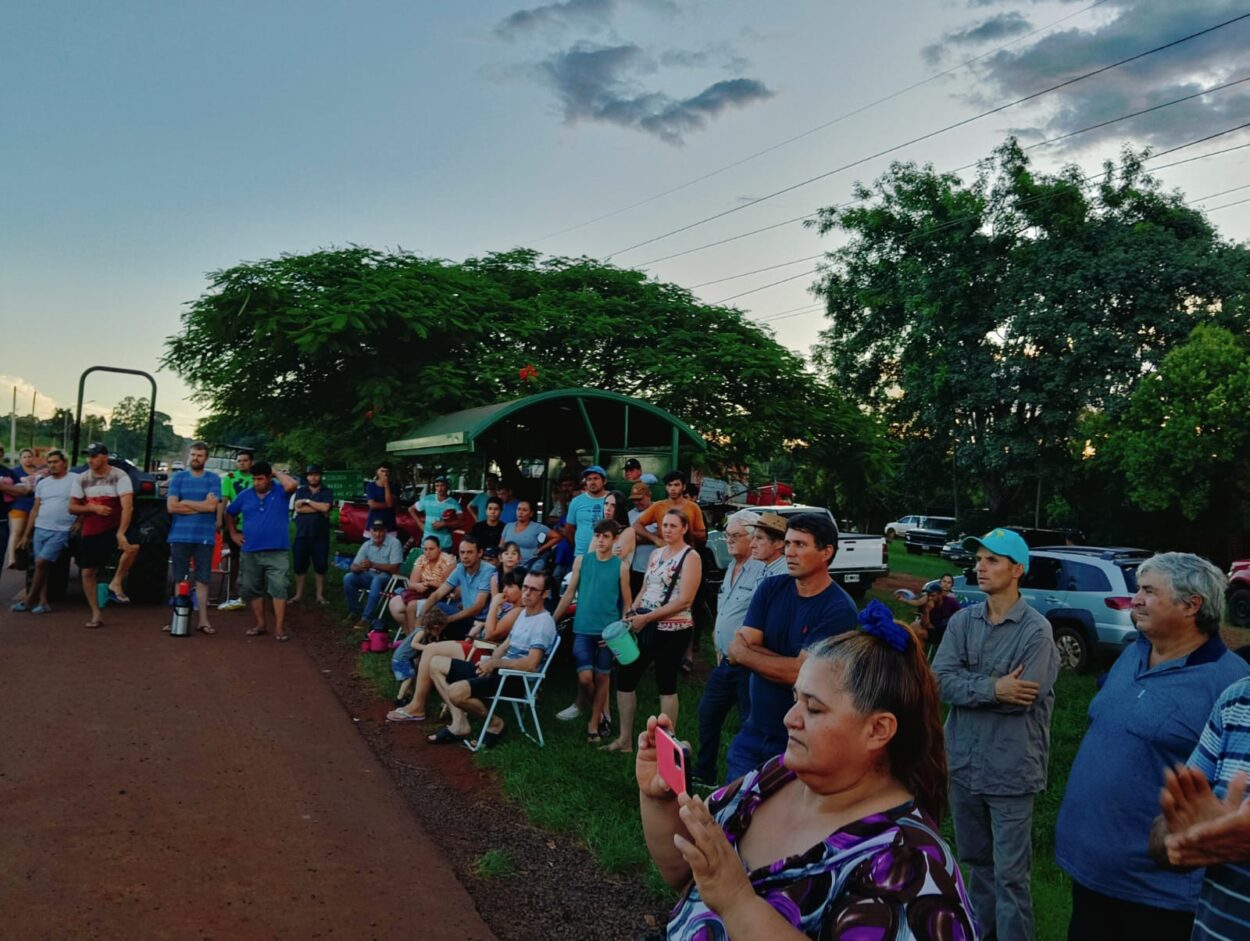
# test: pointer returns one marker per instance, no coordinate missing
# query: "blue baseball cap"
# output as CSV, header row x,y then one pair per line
x,y
1001,542
595,469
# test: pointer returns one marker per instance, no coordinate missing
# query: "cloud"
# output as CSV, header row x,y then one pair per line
x,y
1128,28
992,29
586,15
599,83
45,405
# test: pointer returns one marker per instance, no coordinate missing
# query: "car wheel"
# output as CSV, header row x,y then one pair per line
x,y
1074,653
1239,607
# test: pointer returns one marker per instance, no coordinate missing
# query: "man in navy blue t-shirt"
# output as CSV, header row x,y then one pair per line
x,y
788,614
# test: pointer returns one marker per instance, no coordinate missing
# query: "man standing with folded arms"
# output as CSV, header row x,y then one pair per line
x,y
192,504
997,667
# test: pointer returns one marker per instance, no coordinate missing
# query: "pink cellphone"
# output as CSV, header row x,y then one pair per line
x,y
671,758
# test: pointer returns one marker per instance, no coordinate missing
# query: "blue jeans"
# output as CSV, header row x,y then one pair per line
x,y
356,582
727,686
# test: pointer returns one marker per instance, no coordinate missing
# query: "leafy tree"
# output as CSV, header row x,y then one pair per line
x,y
336,352
128,431
1184,440
983,318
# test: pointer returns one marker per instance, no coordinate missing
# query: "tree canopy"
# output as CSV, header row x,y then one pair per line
x,y
333,353
982,319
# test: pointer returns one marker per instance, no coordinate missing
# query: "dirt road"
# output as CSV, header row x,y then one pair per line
x,y
208,787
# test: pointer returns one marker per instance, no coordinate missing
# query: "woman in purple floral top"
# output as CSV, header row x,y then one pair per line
x,y
837,838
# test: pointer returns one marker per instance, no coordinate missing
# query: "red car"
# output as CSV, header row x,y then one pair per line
x,y
354,513
1239,593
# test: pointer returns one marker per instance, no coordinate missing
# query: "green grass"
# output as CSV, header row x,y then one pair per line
x,y
494,864
574,789
924,566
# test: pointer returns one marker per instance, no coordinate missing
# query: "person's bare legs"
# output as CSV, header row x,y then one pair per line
x,y
448,650
603,689
668,706
397,610
17,526
89,589
626,705
258,613
38,591
279,620
586,693
299,587
320,581
463,699
201,596
459,721
123,569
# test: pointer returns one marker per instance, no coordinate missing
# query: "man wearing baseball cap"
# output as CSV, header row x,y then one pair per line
x,y
635,475
376,561
586,509
311,547
997,667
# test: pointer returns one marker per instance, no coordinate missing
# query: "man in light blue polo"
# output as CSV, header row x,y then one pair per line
x,y
471,578
997,667
377,559
1148,716
586,509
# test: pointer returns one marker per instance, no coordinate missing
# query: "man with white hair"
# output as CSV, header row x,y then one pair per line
x,y
729,684
1147,717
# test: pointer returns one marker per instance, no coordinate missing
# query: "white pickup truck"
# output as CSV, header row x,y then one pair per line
x,y
859,561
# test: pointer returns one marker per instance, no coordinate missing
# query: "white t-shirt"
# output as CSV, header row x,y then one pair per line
x,y
53,495
530,631
642,554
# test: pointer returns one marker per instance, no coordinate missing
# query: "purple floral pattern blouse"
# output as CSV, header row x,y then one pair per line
x,y
887,877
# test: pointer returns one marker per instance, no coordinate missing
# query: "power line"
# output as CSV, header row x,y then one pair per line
x,y
1220,193
745,274
820,127
1228,205
966,218
931,134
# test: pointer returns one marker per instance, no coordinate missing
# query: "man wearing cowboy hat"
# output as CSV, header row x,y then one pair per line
x,y
768,544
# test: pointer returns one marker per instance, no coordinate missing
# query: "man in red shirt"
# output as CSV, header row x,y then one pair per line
x,y
104,497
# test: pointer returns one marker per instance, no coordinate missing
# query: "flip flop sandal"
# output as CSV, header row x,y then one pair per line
x,y
94,624
491,739
282,638
398,715
445,736
255,632
594,738
205,629
115,598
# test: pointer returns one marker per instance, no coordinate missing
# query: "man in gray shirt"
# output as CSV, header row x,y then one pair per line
x,y
729,684
997,667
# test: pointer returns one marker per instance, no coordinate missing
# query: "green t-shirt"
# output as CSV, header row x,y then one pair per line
x,y
232,484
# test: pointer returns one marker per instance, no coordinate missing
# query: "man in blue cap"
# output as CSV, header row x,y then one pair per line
x,y
997,667
586,509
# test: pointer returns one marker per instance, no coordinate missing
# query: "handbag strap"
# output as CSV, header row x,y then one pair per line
x,y
672,582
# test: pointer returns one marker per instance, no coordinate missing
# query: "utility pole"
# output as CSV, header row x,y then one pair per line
x,y
13,423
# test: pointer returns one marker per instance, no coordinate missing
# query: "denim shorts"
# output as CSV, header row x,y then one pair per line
x,y
588,655
49,544
181,553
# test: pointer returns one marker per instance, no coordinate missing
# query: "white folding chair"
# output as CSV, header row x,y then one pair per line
x,y
531,682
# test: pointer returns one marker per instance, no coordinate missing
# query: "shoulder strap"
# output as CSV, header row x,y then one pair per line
x,y
672,582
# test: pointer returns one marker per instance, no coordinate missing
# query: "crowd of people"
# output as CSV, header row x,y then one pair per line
x,y
825,820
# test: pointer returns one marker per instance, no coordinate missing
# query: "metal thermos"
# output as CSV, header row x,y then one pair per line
x,y
180,623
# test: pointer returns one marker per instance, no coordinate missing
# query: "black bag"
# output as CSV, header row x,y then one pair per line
x,y
650,635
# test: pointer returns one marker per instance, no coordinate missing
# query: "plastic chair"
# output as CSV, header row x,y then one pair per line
x,y
531,682
394,585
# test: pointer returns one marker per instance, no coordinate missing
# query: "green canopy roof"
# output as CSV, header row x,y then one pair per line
x,y
547,423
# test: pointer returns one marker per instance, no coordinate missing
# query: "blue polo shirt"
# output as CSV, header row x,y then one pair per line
x,y
198,529
584,512
1142,721
268,525
471,585
790,624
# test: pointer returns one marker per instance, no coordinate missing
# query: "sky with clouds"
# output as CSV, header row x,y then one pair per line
x,y
147,144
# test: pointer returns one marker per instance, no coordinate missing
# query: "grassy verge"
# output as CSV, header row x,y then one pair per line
x,y
924,566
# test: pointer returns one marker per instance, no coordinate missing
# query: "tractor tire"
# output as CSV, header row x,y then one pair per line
x,y
1239,607
58,577
149,577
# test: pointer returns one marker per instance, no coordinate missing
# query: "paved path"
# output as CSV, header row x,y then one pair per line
x,y
207,787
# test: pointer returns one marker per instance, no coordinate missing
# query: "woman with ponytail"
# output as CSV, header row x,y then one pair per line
x,y
836,838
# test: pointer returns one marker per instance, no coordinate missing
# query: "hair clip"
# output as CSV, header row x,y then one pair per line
x,y
878,620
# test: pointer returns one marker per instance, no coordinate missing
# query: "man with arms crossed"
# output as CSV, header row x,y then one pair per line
x,y
997,667
50,523
192,503
466,688
787,614
728,685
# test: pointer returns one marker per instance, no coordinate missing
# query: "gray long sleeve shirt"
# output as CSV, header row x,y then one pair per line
x,y
992,747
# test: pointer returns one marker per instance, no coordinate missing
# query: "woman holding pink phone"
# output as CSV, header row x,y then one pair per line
x,y
860,790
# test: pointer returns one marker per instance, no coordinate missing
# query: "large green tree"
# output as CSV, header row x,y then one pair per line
x,y
336,352
983,318
127,433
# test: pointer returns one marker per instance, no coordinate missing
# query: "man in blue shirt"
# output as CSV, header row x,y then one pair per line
x,y
376,561
266,540
586,509
192,502
787,614
508,503
472,578
313,503
1148,716
437,513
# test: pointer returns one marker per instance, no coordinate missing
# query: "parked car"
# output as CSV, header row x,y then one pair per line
x,y
1239,593
354,513
905,524
955,552
859,561
931,537
1085,592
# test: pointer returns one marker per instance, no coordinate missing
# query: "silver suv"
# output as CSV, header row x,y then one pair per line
x,y
1086,592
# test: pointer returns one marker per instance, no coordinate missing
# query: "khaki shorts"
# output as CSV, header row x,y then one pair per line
x,y
266,572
